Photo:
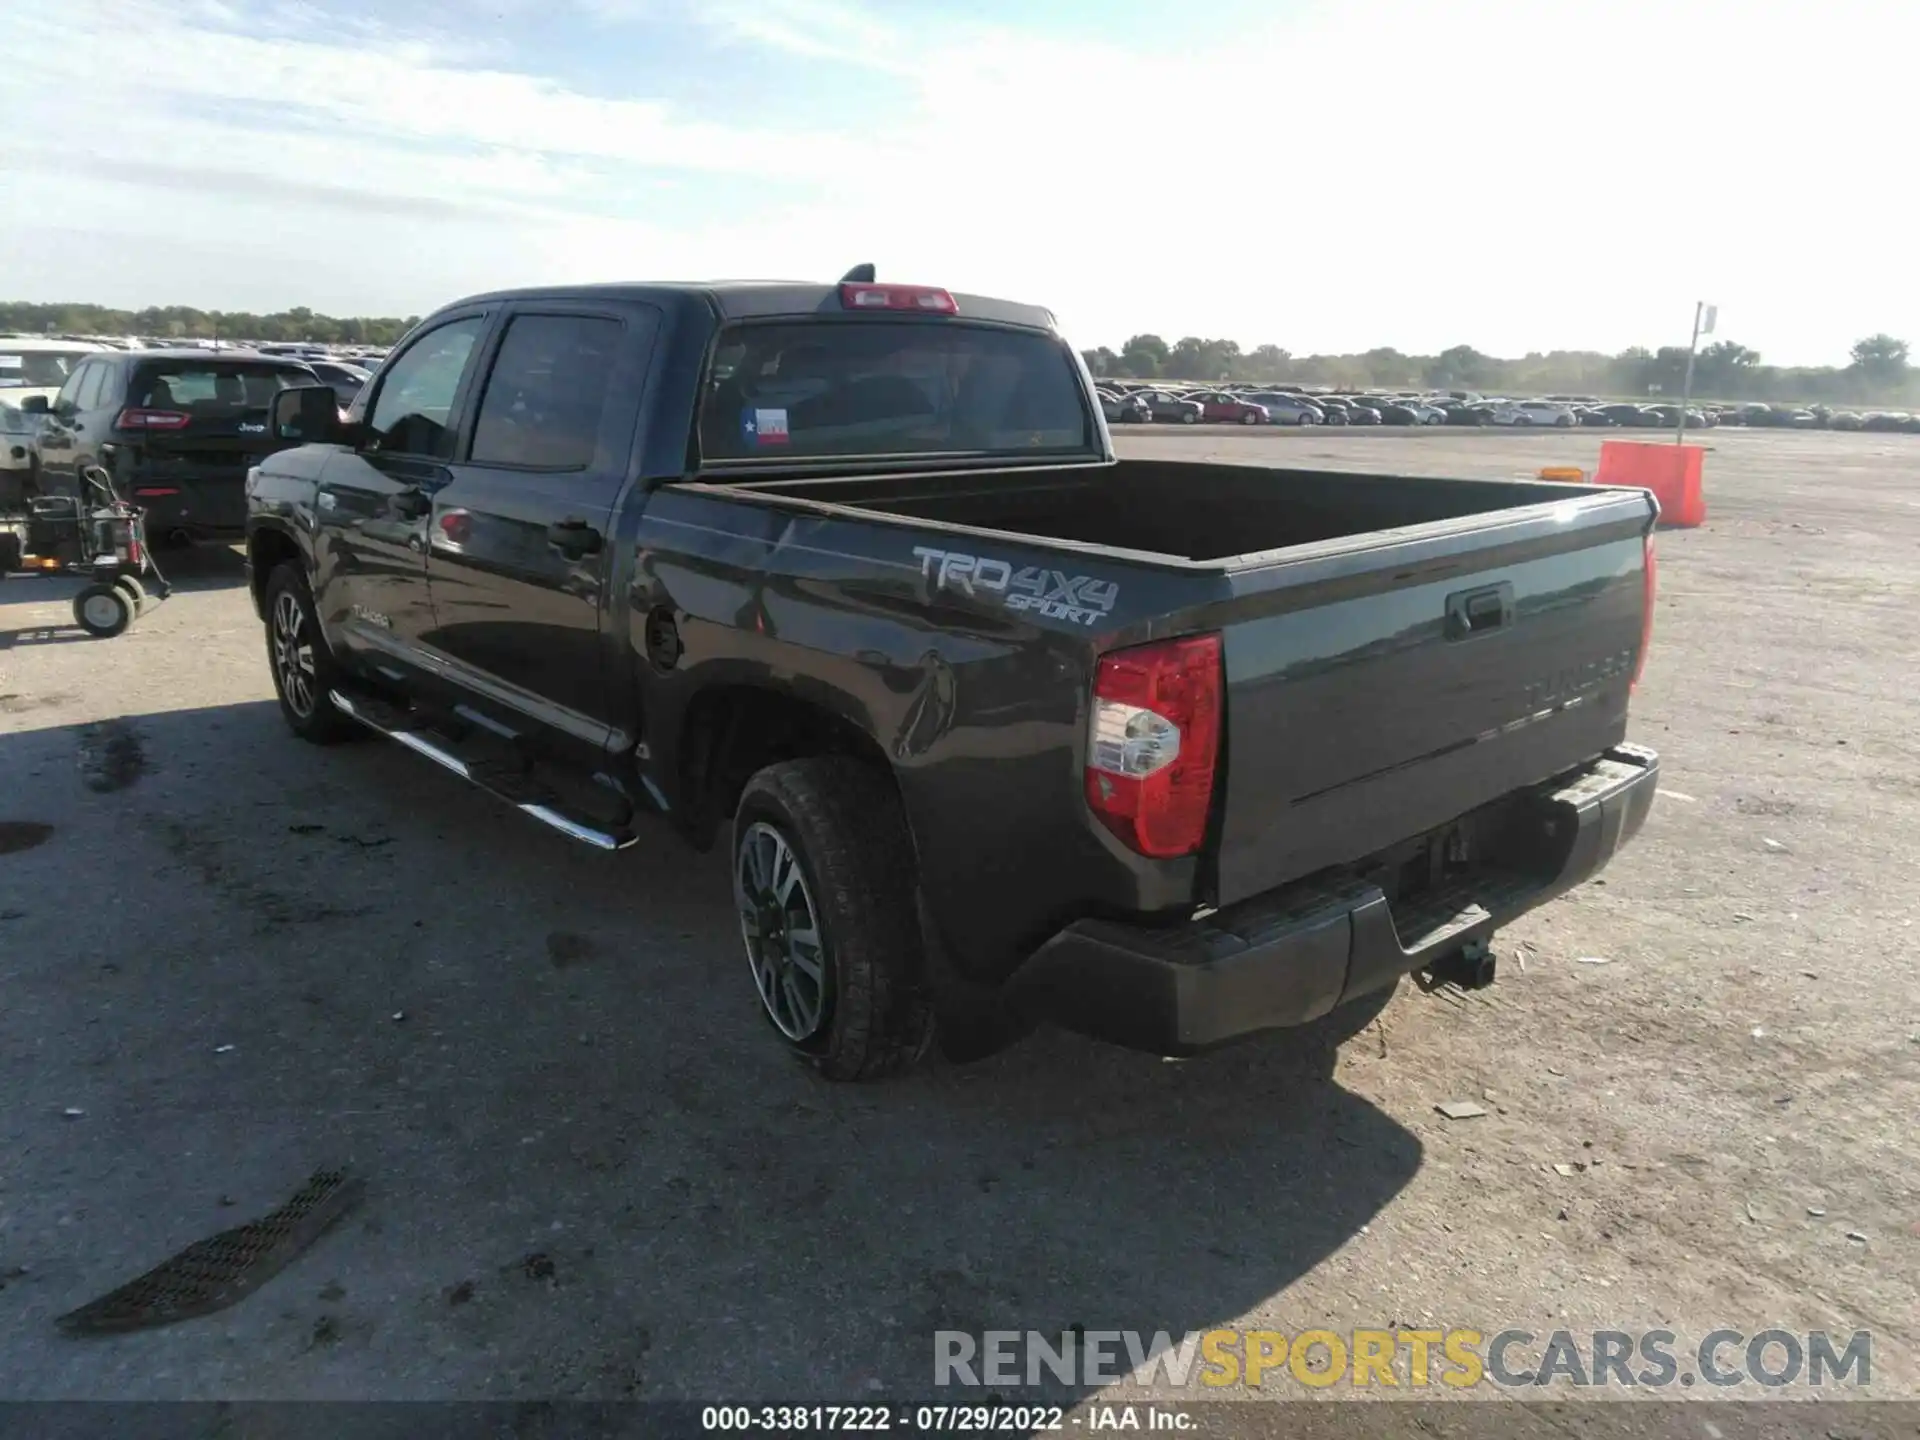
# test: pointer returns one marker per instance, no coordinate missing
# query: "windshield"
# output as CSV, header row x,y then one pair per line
x,y
37,369
827,389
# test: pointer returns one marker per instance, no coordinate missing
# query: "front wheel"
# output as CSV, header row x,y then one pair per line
x,y
1189,417
136,592
304,670
824,886
1565,422
1249,418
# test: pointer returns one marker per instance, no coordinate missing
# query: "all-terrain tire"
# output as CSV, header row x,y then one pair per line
x,y
843,822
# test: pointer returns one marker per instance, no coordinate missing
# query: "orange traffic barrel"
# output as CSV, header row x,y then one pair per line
x,y
1671,472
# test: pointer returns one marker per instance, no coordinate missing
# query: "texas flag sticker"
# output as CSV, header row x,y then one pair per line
x,y
764,427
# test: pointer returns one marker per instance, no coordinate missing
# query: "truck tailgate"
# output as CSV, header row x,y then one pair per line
x,y
1379,687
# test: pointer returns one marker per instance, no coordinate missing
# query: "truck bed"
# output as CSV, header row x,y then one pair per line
x,y
1399,650
1184,510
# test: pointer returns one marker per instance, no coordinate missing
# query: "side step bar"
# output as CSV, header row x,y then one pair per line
x,y
545,813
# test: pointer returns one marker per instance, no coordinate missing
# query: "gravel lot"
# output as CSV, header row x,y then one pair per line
x,y
590,1172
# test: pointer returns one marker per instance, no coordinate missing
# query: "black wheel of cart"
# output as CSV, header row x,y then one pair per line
x,y
104,610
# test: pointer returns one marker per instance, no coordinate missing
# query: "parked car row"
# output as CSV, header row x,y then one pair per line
x,y
1240,403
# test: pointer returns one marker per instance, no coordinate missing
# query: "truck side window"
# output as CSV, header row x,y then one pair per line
x,y
410,415
546,393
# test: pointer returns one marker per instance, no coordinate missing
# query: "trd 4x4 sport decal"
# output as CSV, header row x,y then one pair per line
x,y
1080,599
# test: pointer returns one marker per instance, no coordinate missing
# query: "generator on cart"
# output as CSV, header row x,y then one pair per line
x,y
95,534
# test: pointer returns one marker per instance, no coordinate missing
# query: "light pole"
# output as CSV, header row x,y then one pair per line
x,y
1704,316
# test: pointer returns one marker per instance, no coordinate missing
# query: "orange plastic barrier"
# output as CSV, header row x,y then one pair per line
x,y
1569,474
1671,472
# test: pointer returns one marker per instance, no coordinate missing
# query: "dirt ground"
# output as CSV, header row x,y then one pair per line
x,y
233,959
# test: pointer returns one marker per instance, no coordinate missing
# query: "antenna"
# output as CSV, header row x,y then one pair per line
x,y
858,275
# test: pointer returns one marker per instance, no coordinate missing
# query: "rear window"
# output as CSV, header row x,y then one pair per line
x,y
868,388
205,387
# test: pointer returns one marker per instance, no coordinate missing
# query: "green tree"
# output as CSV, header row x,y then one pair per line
x,y
1880,360
1725,369
1144,356
1266,362
1460,367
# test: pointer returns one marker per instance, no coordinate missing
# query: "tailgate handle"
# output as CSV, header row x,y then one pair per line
x,y
1476,612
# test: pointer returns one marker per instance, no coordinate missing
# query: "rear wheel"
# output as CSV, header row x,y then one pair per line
x,y
824,887
304,670
1189,417
1565,422
136,592
103,610
1249,418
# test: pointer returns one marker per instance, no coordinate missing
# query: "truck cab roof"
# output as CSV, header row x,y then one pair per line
x,y
733,300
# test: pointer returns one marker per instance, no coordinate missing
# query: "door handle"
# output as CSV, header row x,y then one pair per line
x,y
411,504
573,538
1475,612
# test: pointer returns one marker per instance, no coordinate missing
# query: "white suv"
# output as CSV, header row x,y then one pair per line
x,y
32,367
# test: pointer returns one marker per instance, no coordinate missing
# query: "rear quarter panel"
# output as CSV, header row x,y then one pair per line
x,y
979,707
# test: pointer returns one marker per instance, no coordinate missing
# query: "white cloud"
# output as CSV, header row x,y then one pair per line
x,y
1330,176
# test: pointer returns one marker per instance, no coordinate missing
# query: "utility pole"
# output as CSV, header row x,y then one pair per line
x,y
1704,316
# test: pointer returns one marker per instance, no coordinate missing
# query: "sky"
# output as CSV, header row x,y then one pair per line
x,y
1324,175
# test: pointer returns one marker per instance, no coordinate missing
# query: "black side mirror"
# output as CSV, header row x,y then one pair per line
x,y
307,415
35,405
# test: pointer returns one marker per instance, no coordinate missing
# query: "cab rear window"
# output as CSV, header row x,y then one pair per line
x,y
806,390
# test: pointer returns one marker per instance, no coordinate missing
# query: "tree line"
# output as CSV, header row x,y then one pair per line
x,y
1877,370
183,322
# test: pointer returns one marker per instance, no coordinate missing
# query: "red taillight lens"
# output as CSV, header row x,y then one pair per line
x,y
925,298
135,418
1153,743
1649,586
154,492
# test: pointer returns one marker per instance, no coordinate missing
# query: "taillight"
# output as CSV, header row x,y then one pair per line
x,y
1648,587
1153,743
925,298
154,492
136,418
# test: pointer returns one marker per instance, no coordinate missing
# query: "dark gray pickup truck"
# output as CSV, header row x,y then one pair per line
x,y
1001,728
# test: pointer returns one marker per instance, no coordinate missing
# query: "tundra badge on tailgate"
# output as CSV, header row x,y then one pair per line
x,y
1081,599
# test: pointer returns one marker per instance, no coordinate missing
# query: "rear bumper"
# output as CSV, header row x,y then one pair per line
x,y
1289,956
202,506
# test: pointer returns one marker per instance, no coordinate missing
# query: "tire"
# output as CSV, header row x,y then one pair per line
x,y
104,610
1249,418
829,832
1565,422
304,669
135,591
1187,417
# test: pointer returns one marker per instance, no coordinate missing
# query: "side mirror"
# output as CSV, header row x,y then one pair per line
x,y
307,415
35,405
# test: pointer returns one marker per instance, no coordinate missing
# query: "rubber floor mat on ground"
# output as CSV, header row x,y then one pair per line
x,y
212,1274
